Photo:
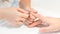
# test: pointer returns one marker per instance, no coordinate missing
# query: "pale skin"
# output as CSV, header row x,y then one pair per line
x,y
14,15
25,4
54,23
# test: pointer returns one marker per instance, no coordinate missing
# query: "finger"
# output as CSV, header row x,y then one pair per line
x,y
20,19
32,16
32,10
42,18
22,10
36,15
42,25
33,24
27,22
23,15
49,29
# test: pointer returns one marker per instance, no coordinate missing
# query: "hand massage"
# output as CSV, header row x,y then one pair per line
x,y
24,14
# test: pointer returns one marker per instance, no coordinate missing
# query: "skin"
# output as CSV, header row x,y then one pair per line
x,y
14,15
25,4
18,13
54,23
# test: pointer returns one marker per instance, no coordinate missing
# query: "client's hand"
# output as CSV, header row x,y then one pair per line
x,y
32,20
53,24
14,15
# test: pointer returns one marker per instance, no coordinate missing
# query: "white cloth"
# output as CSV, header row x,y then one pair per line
x,y
47,7
11,3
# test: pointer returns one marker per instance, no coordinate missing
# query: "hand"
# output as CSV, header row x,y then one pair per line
x,y
30,20
14,15
53,24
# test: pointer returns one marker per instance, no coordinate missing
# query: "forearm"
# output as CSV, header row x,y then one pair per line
x,y
25,3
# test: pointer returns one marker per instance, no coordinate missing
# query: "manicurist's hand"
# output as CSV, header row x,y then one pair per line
x,y
14,15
